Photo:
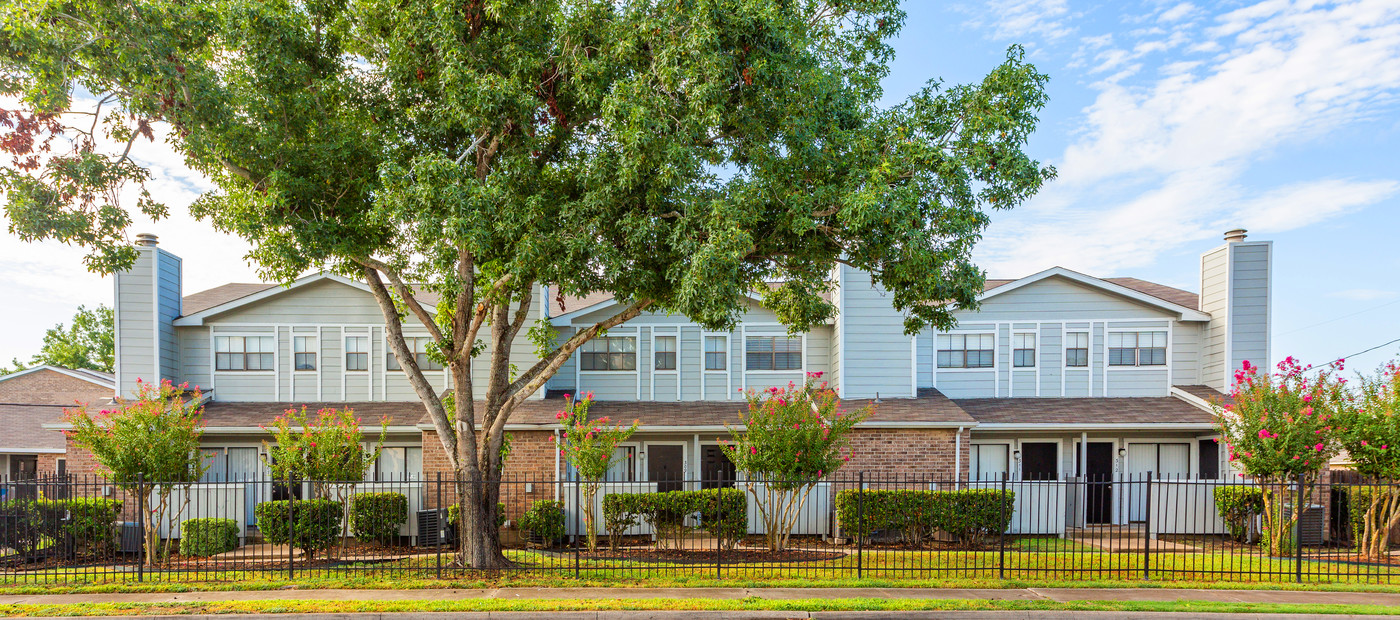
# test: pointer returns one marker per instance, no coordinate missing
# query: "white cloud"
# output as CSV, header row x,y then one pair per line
x,y
1021,19
1160,159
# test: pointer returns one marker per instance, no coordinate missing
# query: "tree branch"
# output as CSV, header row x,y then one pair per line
x,y
535,377
406,294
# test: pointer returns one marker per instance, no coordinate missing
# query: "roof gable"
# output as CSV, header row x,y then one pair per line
x,y
231,298
94,377
1147,293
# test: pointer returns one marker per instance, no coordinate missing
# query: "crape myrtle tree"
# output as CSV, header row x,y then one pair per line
x,y
460,157
1369,429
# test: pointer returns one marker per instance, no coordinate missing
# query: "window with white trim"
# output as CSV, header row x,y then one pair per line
x,y
966,350
419,347
1077,349
243,353
609,353
357,353
1023,351
304,352
665,353
772,353
716,357
1137,348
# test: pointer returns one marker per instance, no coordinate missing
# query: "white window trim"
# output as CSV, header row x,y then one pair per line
x,y
1035,348
1088,350
214,351
316,350
1010,460
673,371
644,463
345,355
802,353
1137,330
728,353
636,353
995,345
1059,454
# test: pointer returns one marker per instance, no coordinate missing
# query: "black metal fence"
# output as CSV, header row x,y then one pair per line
x,y
78,529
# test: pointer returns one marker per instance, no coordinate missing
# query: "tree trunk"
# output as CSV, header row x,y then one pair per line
x,y
480,539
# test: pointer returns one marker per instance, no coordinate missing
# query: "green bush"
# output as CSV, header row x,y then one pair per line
x,y
206,537
317,523
723,513
90,522
969,515
1237,506
545,521
377,516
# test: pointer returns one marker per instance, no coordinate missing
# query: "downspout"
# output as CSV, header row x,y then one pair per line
x,y
556,464
957,458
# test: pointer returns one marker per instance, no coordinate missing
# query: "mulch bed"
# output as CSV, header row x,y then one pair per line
x,y
705,556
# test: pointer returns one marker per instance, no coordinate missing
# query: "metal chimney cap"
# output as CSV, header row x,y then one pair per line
x,y
146,239
1235,236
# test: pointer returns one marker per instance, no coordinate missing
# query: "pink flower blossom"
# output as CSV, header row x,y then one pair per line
x,y
559,416
1307,398
753,449
1318,447
1364,442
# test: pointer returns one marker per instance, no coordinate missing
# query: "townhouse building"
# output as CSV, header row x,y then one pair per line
x,y
1058,374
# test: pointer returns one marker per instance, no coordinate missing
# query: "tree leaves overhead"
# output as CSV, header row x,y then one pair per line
x,y
687,152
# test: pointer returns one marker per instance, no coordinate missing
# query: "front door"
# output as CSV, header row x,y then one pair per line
x,y
23,470
1098,490
716,470
666,466
1039,461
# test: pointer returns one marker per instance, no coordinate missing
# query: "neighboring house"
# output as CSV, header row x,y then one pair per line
x,y
1051,363
36,396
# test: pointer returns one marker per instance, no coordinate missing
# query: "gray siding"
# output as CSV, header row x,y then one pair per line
x,y
877,357
168,271
1215,300
1249,306
135,323
1060,299
194,356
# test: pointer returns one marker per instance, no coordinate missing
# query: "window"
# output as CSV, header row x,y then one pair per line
x,y
243,353
989,461
716,358
1077,349
304,352
610,353
965,350
1137,349
397,464
357,353
1023,355
419,346
665,353
772,353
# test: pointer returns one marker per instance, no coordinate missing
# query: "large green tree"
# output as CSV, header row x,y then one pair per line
x,y
87,342
677,153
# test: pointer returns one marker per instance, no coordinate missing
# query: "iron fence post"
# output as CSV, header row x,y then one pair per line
x,y
291,532
441,524
1147,530
1298,511
1001,537
860,527
141,526
578,506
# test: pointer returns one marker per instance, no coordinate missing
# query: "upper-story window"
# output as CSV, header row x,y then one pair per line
x,y
772,353
1137,348
304,352
609,353
966,350
665,353
716,357
243,353
357,353
1023,350
419,347
1077,349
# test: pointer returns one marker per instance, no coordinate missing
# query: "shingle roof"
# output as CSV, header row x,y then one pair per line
x,y
23,427
1160,291
252,415
1164,411
1208,394
222,294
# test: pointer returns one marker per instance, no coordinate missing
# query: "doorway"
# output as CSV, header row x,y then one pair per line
x,y
1098,479
1040,460
716,470
666,466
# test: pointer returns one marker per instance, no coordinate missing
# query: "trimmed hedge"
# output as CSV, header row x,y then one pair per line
x,y
1237,506
545,521
723,513
206,537
377,516
317,523
969,515
90,521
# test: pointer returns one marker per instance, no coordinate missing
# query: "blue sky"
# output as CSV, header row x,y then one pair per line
x,y
1170,122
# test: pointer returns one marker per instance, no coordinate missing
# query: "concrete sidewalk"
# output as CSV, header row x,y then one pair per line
x,y
1050,594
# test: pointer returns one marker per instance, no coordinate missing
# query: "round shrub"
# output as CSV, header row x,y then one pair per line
x,y
317,523
1238,506
206,537
89,521
377,516
545,521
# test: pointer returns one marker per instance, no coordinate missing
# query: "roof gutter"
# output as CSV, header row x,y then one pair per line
x,y
704,428
1052,426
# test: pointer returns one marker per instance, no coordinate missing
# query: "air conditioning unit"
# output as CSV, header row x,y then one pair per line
x,y
129,534
433,526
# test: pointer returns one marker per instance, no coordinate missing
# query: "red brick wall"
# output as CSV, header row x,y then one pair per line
x,y
48,387
529,473
890,454
80,461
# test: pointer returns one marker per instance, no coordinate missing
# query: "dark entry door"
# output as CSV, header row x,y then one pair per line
x,y
716,470
1038,461
666,467
24,467
1098,504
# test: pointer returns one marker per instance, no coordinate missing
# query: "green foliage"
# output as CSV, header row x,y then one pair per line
x,y
722,513
1237,506
377,516
545,521
454,509
87,343
588,446
90,521
316,523
969,515
206,537
326,450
